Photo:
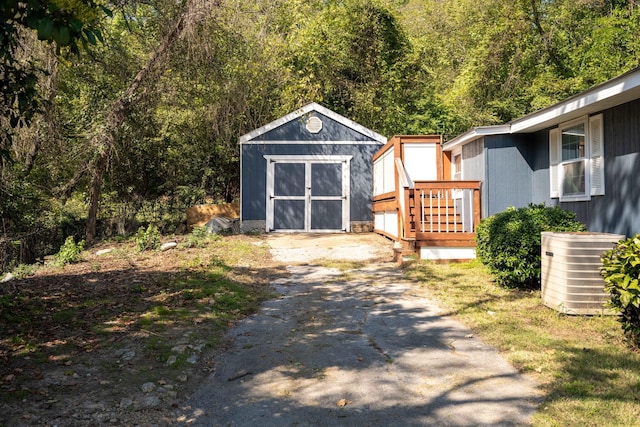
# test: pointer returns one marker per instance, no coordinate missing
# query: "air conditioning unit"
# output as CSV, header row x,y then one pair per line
x,y
571,280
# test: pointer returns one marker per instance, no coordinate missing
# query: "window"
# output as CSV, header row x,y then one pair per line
x,y
576,159
457,167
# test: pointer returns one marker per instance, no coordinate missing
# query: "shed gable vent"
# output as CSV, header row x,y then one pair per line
x,y
314,124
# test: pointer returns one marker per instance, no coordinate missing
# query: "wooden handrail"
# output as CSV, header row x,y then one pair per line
x,y
385,196
436,213
451,185
403,177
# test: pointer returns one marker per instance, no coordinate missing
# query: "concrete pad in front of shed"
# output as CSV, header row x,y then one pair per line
x,y
361,350
309,247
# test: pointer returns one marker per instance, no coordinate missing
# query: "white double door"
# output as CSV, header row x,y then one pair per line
x,y
308,193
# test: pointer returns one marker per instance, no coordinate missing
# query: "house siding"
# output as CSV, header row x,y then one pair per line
x,y
618,211
540,181
508,172
516,165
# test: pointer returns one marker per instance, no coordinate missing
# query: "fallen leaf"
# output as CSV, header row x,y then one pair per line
x,y
343,402
469,336
360,359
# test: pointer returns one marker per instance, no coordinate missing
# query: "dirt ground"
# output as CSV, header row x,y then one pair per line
x,y
303,248
75,348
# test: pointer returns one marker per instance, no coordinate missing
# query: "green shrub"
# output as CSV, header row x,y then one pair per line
x,y
509,242
199,236
69,252
149,239
23,270
621,273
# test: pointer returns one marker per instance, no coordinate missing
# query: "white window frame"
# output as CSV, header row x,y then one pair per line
x,y
593,159
456,174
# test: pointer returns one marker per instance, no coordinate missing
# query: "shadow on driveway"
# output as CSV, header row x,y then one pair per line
x,y
358,349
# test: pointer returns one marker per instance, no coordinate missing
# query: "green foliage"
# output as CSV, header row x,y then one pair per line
x,y
509,242
147,240
65,22
23,270
69,252
397,67
355,58
621,273
21,201
199,237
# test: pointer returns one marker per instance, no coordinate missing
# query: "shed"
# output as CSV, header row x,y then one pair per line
x,y
309,171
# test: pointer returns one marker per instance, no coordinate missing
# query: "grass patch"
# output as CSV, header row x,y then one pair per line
x,y
22,271
589,375
201,286
343,265
65,315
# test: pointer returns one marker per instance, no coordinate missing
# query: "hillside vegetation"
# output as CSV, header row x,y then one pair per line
x,y
121,113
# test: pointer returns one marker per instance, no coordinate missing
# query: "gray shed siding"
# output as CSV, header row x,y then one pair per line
x,y
292,138
254,174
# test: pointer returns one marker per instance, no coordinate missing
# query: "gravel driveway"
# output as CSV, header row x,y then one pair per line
x,y
356,349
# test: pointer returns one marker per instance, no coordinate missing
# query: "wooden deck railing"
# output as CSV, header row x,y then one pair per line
x,y
444,213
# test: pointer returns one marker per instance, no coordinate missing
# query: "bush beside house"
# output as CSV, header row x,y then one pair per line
x,y
509,242
621,273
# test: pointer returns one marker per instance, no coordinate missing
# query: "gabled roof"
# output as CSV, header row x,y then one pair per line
x,y
616,91
305,110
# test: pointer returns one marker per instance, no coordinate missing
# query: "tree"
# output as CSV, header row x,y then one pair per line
x,y
356,58
74,22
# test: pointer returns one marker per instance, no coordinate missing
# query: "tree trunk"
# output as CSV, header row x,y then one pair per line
x,y
95,190
104,142
547,42
49,114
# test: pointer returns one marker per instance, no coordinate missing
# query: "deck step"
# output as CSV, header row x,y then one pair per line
x,y
404,255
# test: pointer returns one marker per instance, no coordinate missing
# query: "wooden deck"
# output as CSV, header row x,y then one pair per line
x,y
439,215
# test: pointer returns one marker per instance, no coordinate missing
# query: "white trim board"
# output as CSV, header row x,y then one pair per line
x,y
447,253
305,110
294,158
474,134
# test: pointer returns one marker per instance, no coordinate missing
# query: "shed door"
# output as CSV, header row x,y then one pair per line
x,y
289,196
308,194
